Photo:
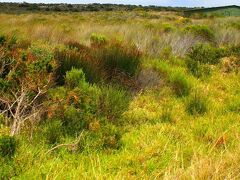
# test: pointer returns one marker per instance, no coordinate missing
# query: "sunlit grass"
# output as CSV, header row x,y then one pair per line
x,y
185,127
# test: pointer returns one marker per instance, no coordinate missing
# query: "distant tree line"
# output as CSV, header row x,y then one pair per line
x,y
21,7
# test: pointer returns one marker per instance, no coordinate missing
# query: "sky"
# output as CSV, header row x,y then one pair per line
x,y
186,3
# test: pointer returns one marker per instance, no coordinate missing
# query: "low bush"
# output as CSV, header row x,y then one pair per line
x,y
230,64
207,54
163,68
8,146
201,31
98,40
76,104
53,131
74,121
198,69
184,20
168,28
75,78
180,84
200,58
197,104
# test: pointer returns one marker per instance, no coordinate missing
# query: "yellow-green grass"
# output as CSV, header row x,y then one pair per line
x,y
188,146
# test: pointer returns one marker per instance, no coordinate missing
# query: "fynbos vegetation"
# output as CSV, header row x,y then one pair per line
x,y
135,93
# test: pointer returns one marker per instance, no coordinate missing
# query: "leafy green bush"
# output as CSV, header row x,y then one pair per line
x,y
197,104
77,105
200,31
8,146
75,78
98,40
163,68
180,84
168,28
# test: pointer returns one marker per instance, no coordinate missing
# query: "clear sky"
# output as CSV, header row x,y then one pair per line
x,y
190,3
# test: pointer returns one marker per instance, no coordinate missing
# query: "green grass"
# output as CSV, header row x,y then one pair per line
x,y
186,127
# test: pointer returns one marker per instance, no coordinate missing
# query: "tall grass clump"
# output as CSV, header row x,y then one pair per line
x,y
197,104
201,31
113,102
118,58
103,60
75,58
166,115
180,83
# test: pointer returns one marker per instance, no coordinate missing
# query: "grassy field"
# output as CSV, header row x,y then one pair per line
x,y
125,95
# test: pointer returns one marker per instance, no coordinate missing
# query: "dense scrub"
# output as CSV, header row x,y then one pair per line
x,y
114,102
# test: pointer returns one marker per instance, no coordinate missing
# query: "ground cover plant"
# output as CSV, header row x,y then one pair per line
x,y
119,95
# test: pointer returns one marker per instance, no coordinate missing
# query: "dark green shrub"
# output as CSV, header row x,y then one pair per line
x,y
53,131
197,104
180,84
201,31
200,58
198,69
75,120
2,39
207,54
8,146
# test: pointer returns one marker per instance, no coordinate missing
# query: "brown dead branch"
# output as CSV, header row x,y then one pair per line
x,y
72,145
